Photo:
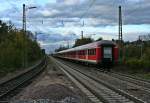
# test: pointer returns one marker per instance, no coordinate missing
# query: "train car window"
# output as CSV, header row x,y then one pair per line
x,y
91,51
88,52
94,51
78,52
107,52
83,52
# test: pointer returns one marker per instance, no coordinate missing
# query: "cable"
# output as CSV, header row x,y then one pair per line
x,y
85,13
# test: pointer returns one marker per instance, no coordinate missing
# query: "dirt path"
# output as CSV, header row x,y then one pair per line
x,y
52,84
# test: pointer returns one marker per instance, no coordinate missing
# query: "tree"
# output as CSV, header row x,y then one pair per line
x,y
13,43
82,41
60,49
3,31
99,39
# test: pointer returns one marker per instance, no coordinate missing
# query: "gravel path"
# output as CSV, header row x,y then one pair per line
x,y
52,84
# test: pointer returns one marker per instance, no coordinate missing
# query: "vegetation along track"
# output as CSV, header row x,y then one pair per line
x,y
102,90
10,85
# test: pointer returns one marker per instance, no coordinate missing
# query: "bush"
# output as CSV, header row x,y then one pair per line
x,y
133,64
138,64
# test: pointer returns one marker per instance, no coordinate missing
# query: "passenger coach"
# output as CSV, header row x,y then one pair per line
x,y
104,53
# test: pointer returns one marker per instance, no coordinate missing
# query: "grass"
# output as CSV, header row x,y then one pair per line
x,y
137,73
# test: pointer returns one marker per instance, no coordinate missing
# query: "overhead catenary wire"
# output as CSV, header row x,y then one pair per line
x,y
86,11
123,3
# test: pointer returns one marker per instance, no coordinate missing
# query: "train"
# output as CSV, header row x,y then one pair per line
x,y
102,53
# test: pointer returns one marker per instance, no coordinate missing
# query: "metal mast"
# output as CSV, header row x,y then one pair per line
x,y
24,19
81,34
24,33
120,26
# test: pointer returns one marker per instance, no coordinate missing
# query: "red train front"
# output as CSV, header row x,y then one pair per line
x,y
103,53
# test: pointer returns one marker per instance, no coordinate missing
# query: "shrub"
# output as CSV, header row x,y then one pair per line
x,y
132,63
138,64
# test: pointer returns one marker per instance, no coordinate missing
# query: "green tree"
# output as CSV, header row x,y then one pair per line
x,y
13,43
61,48
82,41
99,39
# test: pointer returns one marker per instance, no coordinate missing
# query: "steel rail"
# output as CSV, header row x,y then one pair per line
x,y
91,96
116,92
133,85
13,83
135,79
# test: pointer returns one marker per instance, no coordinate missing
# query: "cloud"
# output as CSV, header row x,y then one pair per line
x,y
52,41
56,37
61,19
69,2
102,12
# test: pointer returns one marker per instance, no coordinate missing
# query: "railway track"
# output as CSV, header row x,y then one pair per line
x,y
135,87
135,80
13,83
103,91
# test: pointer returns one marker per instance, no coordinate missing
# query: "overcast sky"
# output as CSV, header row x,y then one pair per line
x,y
59,21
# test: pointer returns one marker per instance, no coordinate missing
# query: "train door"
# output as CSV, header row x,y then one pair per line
x,y
107,53
107,56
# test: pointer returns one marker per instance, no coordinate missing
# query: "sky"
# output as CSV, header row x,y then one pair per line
x,y
59,22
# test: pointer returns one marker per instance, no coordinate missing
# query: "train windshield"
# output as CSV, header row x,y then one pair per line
x,y
108,52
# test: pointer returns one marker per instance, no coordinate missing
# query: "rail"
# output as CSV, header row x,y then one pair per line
x,y
92,80
12,83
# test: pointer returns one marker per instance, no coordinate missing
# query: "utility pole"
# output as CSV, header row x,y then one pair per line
x,y
120,41
81,34
35,37
25,61
24,33
68,44
120,27
24,18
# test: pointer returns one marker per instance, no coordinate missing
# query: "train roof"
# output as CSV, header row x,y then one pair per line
x,y
89,46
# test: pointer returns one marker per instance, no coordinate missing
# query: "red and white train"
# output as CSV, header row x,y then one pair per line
x,y
104,53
